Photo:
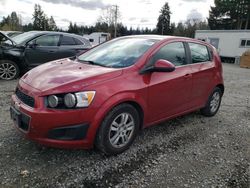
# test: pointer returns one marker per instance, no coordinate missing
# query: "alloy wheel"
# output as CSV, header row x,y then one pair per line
x,y
215,102
7,71
121,130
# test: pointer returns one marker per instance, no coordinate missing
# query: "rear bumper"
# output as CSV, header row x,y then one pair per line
x,y
55,128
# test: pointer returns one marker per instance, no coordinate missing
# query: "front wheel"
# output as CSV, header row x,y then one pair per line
x,y
8,70
118,130
213,103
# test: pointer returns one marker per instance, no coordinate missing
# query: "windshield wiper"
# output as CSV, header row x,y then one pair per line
x,y
91,62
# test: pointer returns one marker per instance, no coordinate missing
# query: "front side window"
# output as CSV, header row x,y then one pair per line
x,y
173,52
48,40
199,53
118,53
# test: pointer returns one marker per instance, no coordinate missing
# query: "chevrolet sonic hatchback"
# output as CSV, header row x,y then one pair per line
x,y
106,95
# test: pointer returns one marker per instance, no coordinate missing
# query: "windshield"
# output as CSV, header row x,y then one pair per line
x,y
19,39
118,53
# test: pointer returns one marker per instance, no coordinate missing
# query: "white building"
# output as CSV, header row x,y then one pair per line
x,y
229,43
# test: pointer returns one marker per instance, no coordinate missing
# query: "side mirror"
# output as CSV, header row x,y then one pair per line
x,y
31,45
160,65
163,66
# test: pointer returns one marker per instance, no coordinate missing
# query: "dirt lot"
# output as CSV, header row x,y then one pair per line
x,y
190,151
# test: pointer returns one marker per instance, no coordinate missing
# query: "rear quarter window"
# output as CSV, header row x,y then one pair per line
x,y
199,53
78,42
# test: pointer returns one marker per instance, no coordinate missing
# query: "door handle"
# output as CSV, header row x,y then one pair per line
x,y
52,51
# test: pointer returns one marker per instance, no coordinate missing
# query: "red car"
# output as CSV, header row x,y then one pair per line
x,y
106,95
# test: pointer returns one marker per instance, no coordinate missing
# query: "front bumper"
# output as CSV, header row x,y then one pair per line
x,y
55,128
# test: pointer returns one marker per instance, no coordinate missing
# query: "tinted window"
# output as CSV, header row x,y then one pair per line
x,y
48,40
248,42
78,42
173,52
243,43
68,41
199,53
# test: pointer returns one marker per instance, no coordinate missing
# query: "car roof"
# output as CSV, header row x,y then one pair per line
x,y
54,32
167,37
157,37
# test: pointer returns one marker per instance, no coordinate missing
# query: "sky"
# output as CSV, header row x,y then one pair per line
x,y
135,13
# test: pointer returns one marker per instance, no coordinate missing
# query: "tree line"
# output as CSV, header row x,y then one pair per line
x,y
230,14
226,14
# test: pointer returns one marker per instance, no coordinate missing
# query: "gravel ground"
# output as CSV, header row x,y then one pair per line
x,y
189,151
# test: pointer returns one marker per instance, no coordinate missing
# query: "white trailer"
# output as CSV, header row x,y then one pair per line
x,y
98,37
230,44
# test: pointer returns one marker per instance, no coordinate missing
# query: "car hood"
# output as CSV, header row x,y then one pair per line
x,y
6,36
67,75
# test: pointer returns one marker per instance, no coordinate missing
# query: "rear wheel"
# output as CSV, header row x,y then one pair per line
x,y
213,103
118,130
8,70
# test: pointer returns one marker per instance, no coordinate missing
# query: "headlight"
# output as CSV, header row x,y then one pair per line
x,y
53,101
70,100
85,98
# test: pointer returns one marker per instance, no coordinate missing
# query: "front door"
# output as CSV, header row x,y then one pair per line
x,y
42,50
169,93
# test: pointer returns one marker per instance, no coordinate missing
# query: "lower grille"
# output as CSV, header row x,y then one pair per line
x,y
26,99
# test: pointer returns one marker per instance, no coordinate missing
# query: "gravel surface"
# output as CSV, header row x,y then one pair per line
x,y
189,151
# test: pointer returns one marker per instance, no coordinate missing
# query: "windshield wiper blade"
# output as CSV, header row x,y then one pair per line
x,y
91,62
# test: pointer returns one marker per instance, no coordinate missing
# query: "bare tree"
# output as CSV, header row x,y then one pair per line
x,y
111,16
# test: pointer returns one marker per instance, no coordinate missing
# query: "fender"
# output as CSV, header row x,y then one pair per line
x,y
111,103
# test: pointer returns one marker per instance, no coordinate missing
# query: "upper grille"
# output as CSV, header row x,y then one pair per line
x,y
26,99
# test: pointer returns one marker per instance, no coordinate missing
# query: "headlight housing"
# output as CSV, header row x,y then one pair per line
x,y
71,100
53,101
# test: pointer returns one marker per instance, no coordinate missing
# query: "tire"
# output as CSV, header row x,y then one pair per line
x,y
8,70
118,129
213,103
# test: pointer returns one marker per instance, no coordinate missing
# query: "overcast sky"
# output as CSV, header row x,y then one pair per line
x,y
135,13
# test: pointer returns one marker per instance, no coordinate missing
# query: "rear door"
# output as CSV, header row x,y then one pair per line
x,y
42,49
169,92
203,70
70,46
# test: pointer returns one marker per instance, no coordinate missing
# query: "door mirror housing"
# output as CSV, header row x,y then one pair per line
x,y
31,45
160,65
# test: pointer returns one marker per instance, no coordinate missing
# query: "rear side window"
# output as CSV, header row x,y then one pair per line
x,y
78,42
199,53
173,52
48,40
67,41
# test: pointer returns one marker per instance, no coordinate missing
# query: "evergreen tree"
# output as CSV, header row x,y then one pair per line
x,y
11,22
41,20
38,18
233,14
52,24
163,25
